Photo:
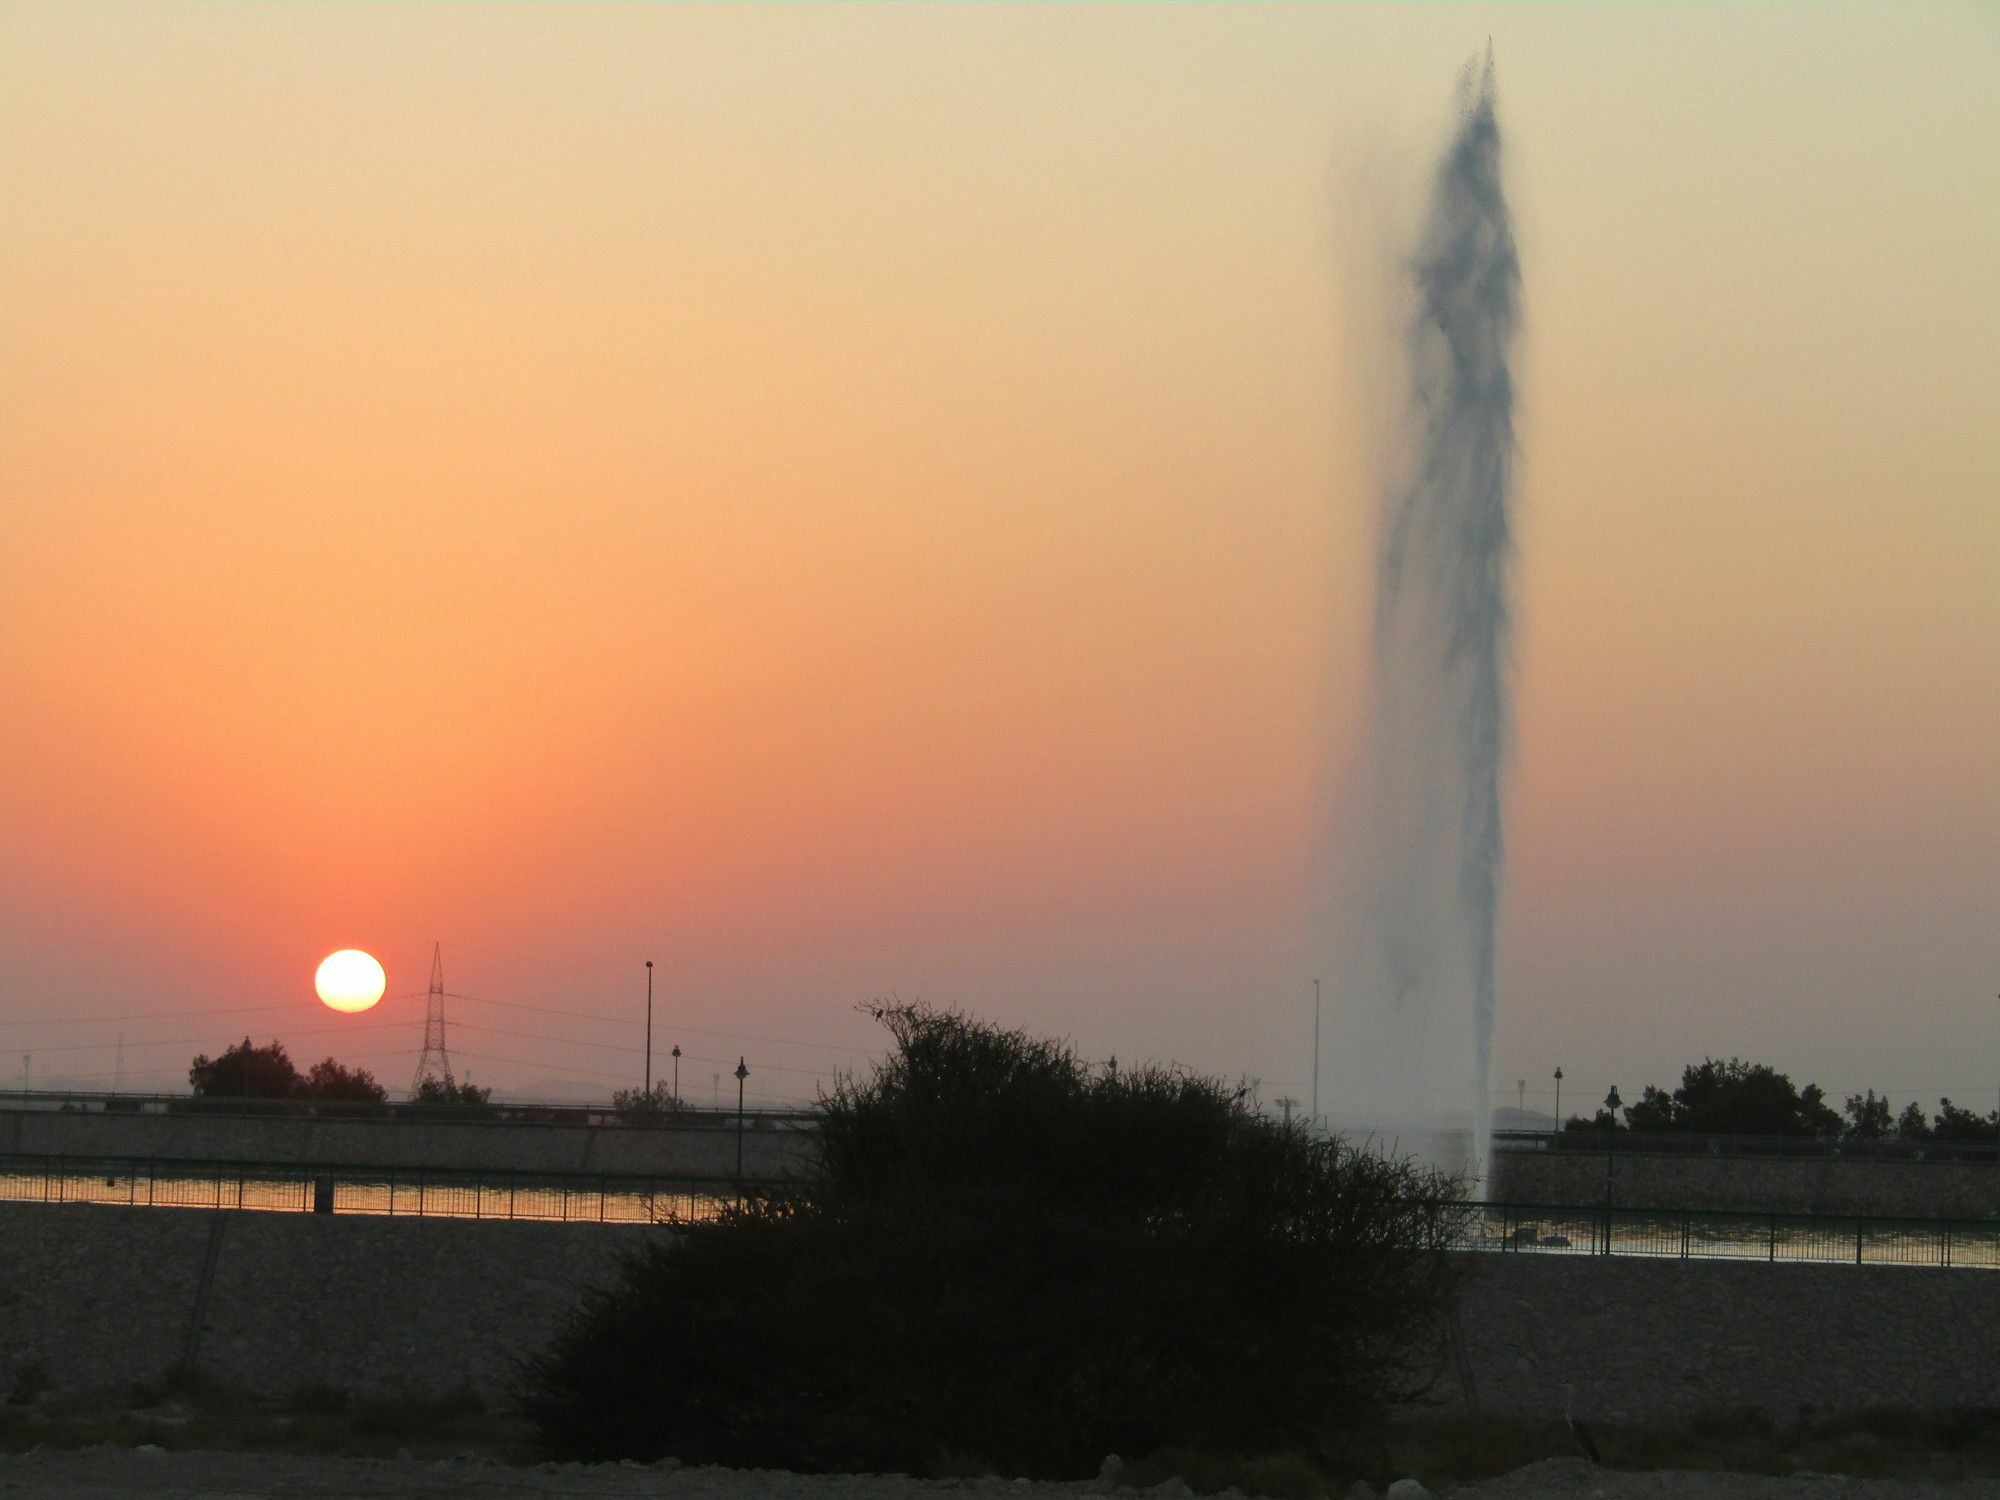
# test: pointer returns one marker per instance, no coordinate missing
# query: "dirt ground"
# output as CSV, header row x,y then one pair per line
x,y
116,1473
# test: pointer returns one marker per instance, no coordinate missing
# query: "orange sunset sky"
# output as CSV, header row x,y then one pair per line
x,y
844,501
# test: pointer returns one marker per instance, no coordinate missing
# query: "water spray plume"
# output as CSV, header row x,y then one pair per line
x,y
1419,970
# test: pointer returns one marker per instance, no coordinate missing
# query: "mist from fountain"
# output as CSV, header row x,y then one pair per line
x,y
1422,855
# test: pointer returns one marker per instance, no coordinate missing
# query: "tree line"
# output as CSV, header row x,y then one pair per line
x,y
1741,1098
247,1071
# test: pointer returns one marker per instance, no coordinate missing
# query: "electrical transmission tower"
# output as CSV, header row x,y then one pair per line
x,y
435,1063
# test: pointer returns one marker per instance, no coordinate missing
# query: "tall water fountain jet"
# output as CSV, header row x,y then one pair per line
x,y
1418,973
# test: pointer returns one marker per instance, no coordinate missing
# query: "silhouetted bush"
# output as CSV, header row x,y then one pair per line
x,y
1012,1256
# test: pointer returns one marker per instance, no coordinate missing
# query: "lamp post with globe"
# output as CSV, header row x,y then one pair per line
x,y
742,1073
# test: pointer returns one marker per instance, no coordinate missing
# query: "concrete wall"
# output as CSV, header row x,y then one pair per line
x,y
705,1151
105,1297
1954,1190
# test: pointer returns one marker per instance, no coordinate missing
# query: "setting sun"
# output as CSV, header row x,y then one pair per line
x,y
350,980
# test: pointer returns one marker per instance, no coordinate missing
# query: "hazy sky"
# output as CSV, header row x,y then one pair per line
x,y
844,501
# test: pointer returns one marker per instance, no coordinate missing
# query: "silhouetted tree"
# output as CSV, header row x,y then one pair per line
x,y
246,1071
637,1107
1012,1254
1962,1125
1736,1098
1911,1124
460,1093
1653,1112
1868,1117
1819,1117
1600,1123
334,1084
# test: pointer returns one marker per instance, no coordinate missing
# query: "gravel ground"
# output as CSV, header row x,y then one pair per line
x,y
116,1473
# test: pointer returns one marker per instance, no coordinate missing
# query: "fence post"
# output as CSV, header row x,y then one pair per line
x,y
1773,1256
1860,1225
1687,1226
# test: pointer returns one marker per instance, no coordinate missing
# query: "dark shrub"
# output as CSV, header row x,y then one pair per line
x,y
1014,1257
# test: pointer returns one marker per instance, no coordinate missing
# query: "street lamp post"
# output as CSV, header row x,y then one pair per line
x,y
649,1031
741,1074
1559,1106
1315,1110
1612,1104
677,1074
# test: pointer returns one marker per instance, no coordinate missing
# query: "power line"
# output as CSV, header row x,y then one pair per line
x,y
171,1070
745,1036
540,1036
351,1027
533,1036
849,1049
522,1062
199,1041
621,1047
154,1015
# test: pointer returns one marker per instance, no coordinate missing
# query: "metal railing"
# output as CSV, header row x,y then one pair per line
x,y
1683,1143
1721,1234
611,1197
433,1192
